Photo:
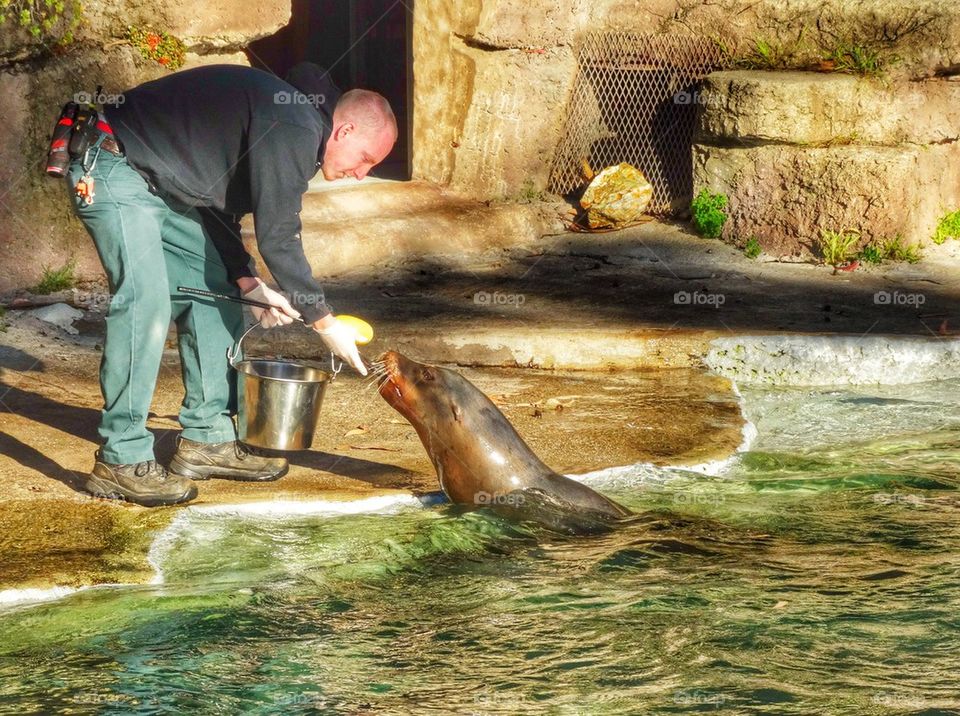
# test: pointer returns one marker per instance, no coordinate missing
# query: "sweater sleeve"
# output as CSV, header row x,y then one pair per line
x,y
224,231
282,159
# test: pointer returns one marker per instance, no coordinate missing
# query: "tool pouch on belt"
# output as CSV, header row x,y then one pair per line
x,y
74,132
85,131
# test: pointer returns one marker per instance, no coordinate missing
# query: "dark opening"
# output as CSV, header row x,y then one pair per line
x,y
635,100
362,43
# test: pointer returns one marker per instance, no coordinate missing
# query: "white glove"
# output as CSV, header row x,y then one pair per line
x,y
341,339
282,313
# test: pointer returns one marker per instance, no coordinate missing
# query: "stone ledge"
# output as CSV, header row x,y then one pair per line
x,y
810,108
785,195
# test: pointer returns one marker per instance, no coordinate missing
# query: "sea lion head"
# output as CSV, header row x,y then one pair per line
x,y
479,457
430,397
472,446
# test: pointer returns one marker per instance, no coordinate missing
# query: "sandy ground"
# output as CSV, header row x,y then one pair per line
x,y
580,288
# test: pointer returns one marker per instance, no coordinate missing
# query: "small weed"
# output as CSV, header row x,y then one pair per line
x,y
752,249
856,59
836,247
54,280
762,56
529,192
895,250
871,254
947,228
708,213
3,315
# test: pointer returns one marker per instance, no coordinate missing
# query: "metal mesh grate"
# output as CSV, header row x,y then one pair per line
x,y
634,100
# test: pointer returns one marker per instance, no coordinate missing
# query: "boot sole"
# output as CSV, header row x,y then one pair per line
x,y
208,472
110,491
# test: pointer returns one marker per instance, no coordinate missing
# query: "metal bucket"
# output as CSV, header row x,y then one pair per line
x,y
281,402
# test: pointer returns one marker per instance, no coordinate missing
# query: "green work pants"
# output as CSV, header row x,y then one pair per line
x,y
148,248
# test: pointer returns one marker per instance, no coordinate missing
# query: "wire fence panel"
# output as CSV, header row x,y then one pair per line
x,y
634,100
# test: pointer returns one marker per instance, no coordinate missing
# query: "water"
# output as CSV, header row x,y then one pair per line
x,y
818,574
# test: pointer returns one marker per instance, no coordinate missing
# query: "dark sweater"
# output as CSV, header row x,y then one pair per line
x,y
223,139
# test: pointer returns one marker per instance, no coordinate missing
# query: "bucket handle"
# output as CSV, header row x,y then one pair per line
x,y
234,352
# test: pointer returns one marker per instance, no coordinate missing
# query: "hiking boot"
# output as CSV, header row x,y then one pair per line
x,y
143,483
230,461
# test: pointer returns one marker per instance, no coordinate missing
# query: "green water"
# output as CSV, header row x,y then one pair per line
x,y
817,574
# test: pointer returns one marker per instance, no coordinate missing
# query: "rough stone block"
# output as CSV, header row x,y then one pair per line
x,y
785,195
514,121
809,107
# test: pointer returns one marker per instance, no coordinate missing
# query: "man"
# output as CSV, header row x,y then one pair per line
x,y
175,166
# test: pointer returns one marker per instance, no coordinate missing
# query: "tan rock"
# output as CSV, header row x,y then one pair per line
x,y
810,107
616,197
514,121
785,195
192,59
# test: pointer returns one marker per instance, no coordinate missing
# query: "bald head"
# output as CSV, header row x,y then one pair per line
x,y
364,131
368,110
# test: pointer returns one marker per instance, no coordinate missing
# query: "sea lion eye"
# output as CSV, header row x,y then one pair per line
x,y
426,374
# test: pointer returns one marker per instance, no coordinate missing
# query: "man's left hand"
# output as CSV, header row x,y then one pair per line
x,y
281,312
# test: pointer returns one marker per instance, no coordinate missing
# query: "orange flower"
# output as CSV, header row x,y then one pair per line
x,y
152,41
163,60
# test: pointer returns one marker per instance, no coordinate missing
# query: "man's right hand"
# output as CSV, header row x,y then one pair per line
x,y
281,313
341,339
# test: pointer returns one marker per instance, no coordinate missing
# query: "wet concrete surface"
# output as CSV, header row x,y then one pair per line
x,y
53,533
646,302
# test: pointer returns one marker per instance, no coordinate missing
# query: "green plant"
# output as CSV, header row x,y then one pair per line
x,y
856,59
54,19
3,315
762,56
947,228
158,46
54,280
708,213
752,248
836,247
895,250
871,254
529,193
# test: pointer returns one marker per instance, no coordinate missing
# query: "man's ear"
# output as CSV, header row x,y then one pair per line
x,y
345,129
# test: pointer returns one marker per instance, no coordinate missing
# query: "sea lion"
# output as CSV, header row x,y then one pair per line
x,y
479,457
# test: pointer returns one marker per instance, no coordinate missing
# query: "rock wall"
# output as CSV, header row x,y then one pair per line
x,y
37,227
492,82
797,153
493,79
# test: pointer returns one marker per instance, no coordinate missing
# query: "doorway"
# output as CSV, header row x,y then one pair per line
x,y
362,43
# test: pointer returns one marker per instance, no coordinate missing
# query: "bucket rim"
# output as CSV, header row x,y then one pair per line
x,y
241,367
